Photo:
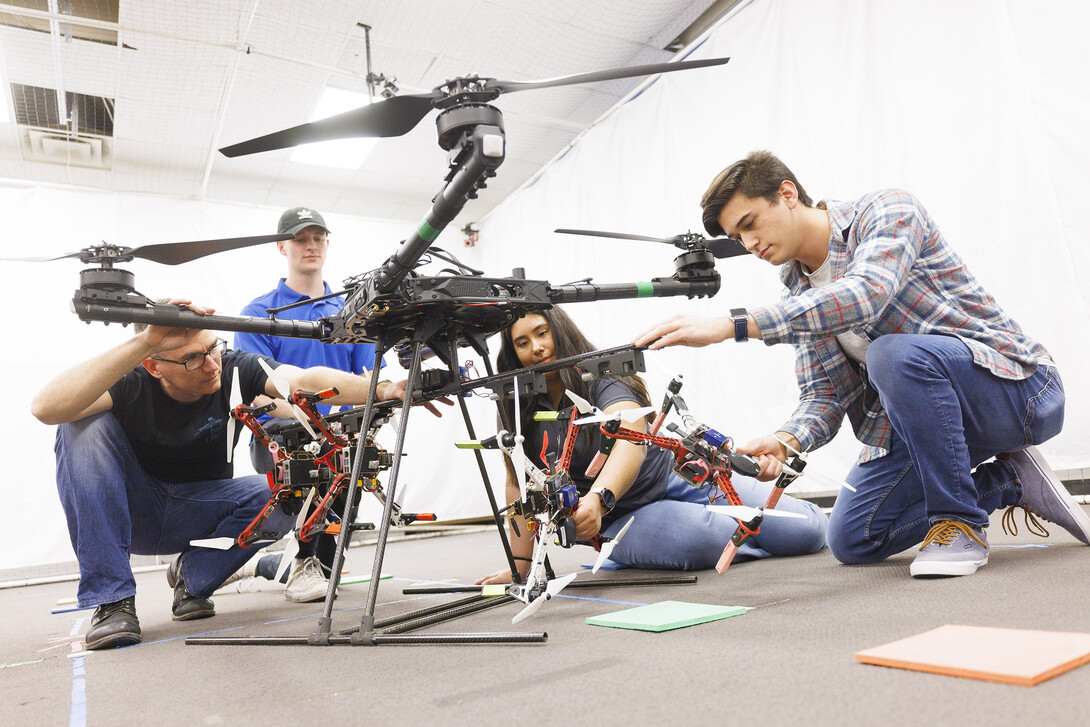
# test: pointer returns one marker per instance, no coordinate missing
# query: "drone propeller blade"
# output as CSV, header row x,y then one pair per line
x,y
719,247
615,235
625,415
392,117
40,259
824,479
215,543
518,461
608,75
555,586
741,512
284,389
234,400
608,546
724,247
582,405
176,253
292,548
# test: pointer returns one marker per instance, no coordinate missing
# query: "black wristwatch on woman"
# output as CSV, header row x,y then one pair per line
x,y
607,498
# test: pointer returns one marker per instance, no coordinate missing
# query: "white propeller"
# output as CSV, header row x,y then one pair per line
x,y
626,415
554,587
234,399
518,459
284,390
811,472
607,547
215,543
581,405
292,547
741,512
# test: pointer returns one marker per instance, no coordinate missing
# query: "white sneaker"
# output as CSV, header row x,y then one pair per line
x,y
243,578
306,581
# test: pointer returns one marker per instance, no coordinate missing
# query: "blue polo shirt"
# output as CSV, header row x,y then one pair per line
x,y
302,352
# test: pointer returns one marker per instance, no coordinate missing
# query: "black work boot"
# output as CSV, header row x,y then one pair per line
x,y
114,624
186,606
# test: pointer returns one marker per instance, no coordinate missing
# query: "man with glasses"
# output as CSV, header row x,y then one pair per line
x,y
307,578
142,465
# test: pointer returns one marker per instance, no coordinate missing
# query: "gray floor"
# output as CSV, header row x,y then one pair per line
x,y
787,661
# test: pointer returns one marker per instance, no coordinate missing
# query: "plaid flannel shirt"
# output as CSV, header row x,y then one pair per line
x,y
892,273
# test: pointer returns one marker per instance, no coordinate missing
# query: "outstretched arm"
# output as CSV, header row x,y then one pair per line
x,y
84,389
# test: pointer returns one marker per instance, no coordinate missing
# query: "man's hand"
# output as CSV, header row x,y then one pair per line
x,y
770,456
165,338
396,390
686,331
588,517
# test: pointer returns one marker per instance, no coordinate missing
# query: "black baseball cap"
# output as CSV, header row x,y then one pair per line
x,y
298,218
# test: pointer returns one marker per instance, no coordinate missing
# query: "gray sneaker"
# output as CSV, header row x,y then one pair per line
x,y
951,548
1044,494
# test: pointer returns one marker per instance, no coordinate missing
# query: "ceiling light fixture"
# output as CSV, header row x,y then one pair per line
x,y
342,153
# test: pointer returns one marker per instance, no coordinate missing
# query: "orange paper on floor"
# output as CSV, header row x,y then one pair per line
x,y
1013,656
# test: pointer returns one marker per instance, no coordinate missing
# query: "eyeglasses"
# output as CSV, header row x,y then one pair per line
x,y
194,361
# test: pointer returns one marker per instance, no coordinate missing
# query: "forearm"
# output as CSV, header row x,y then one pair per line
x,y
351,388
69,395
522,543
621,469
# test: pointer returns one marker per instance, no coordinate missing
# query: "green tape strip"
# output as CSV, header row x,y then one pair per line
x,y
427,232
645,290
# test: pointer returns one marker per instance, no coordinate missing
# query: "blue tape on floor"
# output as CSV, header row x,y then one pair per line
x,y
600,600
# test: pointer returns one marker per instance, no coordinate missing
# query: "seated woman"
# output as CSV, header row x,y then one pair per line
x,y
672,529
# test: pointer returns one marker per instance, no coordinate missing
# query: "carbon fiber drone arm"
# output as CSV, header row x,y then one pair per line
x,y
177,317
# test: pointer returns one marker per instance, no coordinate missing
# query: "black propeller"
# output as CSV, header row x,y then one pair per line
x,y
167,253
400,114
720,247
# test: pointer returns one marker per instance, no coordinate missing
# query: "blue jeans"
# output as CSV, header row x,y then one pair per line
x,y
949,416
115,508
678,533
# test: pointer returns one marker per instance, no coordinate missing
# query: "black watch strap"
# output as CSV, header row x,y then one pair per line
x,y
740,316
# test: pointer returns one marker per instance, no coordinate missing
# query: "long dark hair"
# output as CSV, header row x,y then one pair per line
x,y
568,340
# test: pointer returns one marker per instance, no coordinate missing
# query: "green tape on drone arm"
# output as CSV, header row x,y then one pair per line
x,y
645,290
546,416
468,444
427,232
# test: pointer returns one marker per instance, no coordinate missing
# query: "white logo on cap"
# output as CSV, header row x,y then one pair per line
x,y
305,214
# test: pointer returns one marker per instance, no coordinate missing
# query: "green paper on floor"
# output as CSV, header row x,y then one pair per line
x,y
364,579
665,616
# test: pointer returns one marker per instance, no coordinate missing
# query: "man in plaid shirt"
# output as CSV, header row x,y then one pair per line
x,y
890,328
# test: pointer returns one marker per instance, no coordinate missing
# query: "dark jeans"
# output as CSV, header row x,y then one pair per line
x,y
115,508
949,416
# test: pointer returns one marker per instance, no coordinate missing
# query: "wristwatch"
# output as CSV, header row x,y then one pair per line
x,y
740,316
607,498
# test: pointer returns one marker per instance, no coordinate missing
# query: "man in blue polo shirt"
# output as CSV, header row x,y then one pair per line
x,y
306,254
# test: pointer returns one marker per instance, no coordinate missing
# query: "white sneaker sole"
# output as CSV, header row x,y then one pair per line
x,y
941,569
1073,508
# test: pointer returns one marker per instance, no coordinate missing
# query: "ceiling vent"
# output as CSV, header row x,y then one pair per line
x,y
51,147
102,10
86,114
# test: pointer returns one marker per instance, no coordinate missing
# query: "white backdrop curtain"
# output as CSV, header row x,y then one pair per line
x,y
978,107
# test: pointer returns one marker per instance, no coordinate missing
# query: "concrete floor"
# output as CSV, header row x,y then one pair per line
x,y
787,661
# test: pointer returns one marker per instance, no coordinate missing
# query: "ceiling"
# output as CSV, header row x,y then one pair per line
x,y
157,87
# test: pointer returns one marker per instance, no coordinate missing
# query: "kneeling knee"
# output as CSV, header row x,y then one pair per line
x,y
849,547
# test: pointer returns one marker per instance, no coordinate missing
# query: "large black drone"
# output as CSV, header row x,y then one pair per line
x,y
394,305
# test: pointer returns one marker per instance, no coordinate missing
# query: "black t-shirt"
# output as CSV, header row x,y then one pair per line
x,y
178,442
650,484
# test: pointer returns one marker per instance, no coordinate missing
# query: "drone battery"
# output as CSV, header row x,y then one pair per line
x,y
569,496
305,472
714,438
565,532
